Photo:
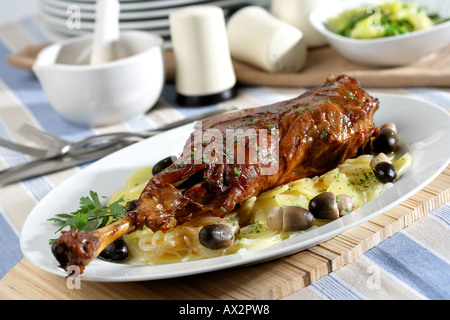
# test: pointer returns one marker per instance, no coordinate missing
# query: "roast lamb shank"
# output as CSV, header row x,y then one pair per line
x,y
235,156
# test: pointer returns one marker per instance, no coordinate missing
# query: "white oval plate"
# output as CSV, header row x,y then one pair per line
x,y
423,127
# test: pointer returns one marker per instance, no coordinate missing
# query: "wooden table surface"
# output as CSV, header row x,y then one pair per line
x,y
271,280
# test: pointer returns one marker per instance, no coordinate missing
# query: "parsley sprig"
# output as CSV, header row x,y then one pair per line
x,y
91,215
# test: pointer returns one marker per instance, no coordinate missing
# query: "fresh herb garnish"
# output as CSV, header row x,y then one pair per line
x,y
258,149
237,172
91,215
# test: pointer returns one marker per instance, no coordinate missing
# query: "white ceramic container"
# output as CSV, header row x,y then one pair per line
x,y
104,94
391,51
264,41
296,13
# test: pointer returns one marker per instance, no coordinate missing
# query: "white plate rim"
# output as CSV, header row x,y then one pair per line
x,y
90,6
125,273
147,5
62,22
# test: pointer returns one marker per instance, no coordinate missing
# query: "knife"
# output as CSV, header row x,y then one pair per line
x,y
44,166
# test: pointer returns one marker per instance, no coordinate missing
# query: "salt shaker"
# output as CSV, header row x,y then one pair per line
x,y
204,70
260,39
296,13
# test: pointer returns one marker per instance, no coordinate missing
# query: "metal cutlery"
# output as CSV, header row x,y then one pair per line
x,y
61,154
45,166
56,147
86,145
42,138
35,152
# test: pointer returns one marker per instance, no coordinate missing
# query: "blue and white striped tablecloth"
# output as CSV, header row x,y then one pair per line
x,y
413,264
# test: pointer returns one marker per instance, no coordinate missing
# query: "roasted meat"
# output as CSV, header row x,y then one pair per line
x,y
233,157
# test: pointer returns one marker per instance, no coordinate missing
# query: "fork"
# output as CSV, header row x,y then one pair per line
x,y
59,147
35,152
41,137
55,146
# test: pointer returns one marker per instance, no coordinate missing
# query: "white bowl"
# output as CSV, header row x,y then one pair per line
x,y
107,93
385,52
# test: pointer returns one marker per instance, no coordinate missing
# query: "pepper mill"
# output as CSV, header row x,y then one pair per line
x,y
204,73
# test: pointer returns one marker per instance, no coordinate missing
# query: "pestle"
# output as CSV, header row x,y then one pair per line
x,y
107,31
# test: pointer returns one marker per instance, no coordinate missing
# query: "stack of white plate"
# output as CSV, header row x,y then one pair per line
x,y
68,18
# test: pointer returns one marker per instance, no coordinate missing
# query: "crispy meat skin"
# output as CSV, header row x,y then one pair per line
x,y
313,134
317,131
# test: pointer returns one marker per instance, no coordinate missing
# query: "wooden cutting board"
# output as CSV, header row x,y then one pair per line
x,y
271,280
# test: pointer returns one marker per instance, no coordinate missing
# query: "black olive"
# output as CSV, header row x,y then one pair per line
x,y
324,206
297,219
386,142
377,159
391,126
131,205
116,251
216,236
60,254
289,219
161,165
385,172
275,219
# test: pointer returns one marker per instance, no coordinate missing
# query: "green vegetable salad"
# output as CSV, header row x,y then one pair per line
x,y
383,19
